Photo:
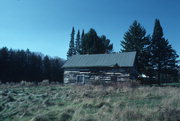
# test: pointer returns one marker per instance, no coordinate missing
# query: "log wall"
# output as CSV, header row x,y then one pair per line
x,y
88,77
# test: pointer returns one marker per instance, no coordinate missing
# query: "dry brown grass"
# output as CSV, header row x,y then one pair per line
x,y
90,103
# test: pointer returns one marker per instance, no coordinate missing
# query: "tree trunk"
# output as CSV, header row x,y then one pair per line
x,y
159,74
159,78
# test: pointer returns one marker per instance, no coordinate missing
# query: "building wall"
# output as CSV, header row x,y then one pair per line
x,y
73,76
179,75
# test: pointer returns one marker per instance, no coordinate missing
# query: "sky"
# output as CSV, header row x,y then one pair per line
x,y
45,25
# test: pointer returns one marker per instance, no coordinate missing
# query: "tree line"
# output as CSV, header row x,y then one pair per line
x,y
155,56
18,65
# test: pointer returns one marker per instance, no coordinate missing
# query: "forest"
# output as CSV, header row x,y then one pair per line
x,y
20,65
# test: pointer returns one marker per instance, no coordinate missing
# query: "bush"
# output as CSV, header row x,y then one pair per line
x,y
97,82
129,84
45,82
25,83
22,83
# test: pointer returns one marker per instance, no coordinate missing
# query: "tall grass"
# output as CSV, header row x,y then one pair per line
x,y
89,103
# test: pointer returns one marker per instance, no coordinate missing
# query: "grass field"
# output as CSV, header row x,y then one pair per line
x,y
89,103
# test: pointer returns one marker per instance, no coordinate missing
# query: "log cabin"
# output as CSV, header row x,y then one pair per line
x,y
85,69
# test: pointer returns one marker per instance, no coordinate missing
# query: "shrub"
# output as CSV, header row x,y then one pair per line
x,y
45,82
97,82
131,84
25,83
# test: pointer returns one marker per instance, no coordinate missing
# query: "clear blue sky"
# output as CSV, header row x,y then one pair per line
x,y
45,25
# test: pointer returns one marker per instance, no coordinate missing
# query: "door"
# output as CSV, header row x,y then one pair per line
x,y
80,79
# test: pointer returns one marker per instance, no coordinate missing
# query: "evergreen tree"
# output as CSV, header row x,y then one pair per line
x,y
46,68
107,47
90,42
93,44
78,43
56,71
163,57
18,65
4,64
82,36
72,50
135,39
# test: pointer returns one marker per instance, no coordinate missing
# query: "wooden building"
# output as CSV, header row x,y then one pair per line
x,y
100,67
178,62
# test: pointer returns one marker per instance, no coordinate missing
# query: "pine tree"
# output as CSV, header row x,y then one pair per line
x,y
81,42
135,39
107,47
78,43
4,64
90,43
82,35
18,65
46,68
93,44
72,50
163,57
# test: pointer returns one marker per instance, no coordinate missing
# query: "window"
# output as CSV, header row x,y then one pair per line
x,y
80,78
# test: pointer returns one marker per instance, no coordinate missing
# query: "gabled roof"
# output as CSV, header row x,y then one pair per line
x,y
125,59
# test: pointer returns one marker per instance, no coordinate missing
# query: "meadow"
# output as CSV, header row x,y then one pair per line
x,y
56,102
